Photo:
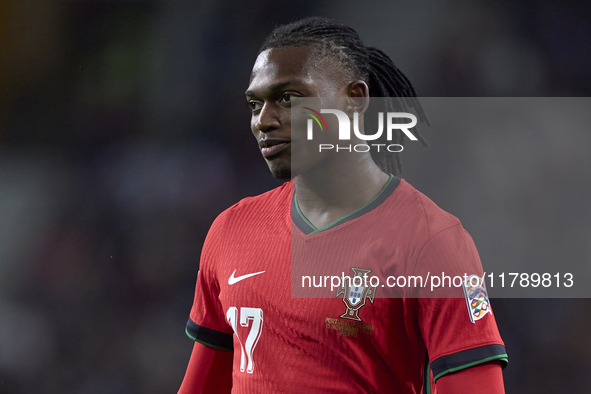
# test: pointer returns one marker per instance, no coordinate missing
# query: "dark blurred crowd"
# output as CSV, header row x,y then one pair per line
x,y
124,132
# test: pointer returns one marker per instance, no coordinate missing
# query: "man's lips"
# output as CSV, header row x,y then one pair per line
x,y
272,147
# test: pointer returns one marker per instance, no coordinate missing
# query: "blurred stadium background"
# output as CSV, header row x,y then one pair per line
x,y
123,133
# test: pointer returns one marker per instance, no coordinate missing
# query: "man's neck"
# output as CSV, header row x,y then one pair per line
x,y
334,190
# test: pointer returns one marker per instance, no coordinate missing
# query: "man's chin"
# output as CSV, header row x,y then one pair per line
x,y
280,168
282,173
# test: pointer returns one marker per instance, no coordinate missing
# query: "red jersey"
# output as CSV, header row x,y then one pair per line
x,y
353,341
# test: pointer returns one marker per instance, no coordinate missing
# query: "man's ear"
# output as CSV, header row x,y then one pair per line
x,y
358,93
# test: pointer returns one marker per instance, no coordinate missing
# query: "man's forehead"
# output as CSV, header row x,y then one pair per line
x,y
299,66
288,63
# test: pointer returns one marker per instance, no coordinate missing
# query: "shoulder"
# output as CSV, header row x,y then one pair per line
x,y
442,244
255,208
429,218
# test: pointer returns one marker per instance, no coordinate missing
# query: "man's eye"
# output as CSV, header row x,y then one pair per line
x,y
254,105
287,98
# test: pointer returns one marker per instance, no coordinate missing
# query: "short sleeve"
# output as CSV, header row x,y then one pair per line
x,y
207,323
456,321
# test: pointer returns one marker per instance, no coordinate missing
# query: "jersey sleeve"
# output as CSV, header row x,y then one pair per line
x,y
455,318
207,322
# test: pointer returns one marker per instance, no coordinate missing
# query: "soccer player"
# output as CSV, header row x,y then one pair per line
x,y
250,335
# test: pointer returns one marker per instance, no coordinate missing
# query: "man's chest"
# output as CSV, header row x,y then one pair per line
x,y
256,293
288,314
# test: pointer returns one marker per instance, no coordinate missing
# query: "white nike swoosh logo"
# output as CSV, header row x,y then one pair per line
x,y
233,280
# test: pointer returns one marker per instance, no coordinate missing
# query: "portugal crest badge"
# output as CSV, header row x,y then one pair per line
x,y
356,291
476,297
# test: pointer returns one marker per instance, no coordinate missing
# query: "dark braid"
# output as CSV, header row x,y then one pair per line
x,y
370,64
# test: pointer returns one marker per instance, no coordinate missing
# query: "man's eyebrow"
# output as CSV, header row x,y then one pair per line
x,y
276,87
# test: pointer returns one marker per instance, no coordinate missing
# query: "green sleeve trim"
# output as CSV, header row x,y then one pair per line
x,y
189,335
205,343
501,357
428,378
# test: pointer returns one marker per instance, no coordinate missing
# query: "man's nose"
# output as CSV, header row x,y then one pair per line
x,y
268,118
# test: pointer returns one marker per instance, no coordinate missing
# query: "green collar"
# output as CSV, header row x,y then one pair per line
x,y
308,228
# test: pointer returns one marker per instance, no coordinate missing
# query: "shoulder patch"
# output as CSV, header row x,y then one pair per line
x,y
476,297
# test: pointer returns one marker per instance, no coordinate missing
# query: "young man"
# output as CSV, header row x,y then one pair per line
x,y
251,335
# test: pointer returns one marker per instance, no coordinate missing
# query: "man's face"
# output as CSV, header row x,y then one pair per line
x,y
279,76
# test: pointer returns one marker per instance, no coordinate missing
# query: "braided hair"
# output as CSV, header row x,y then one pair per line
x,y
341,42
